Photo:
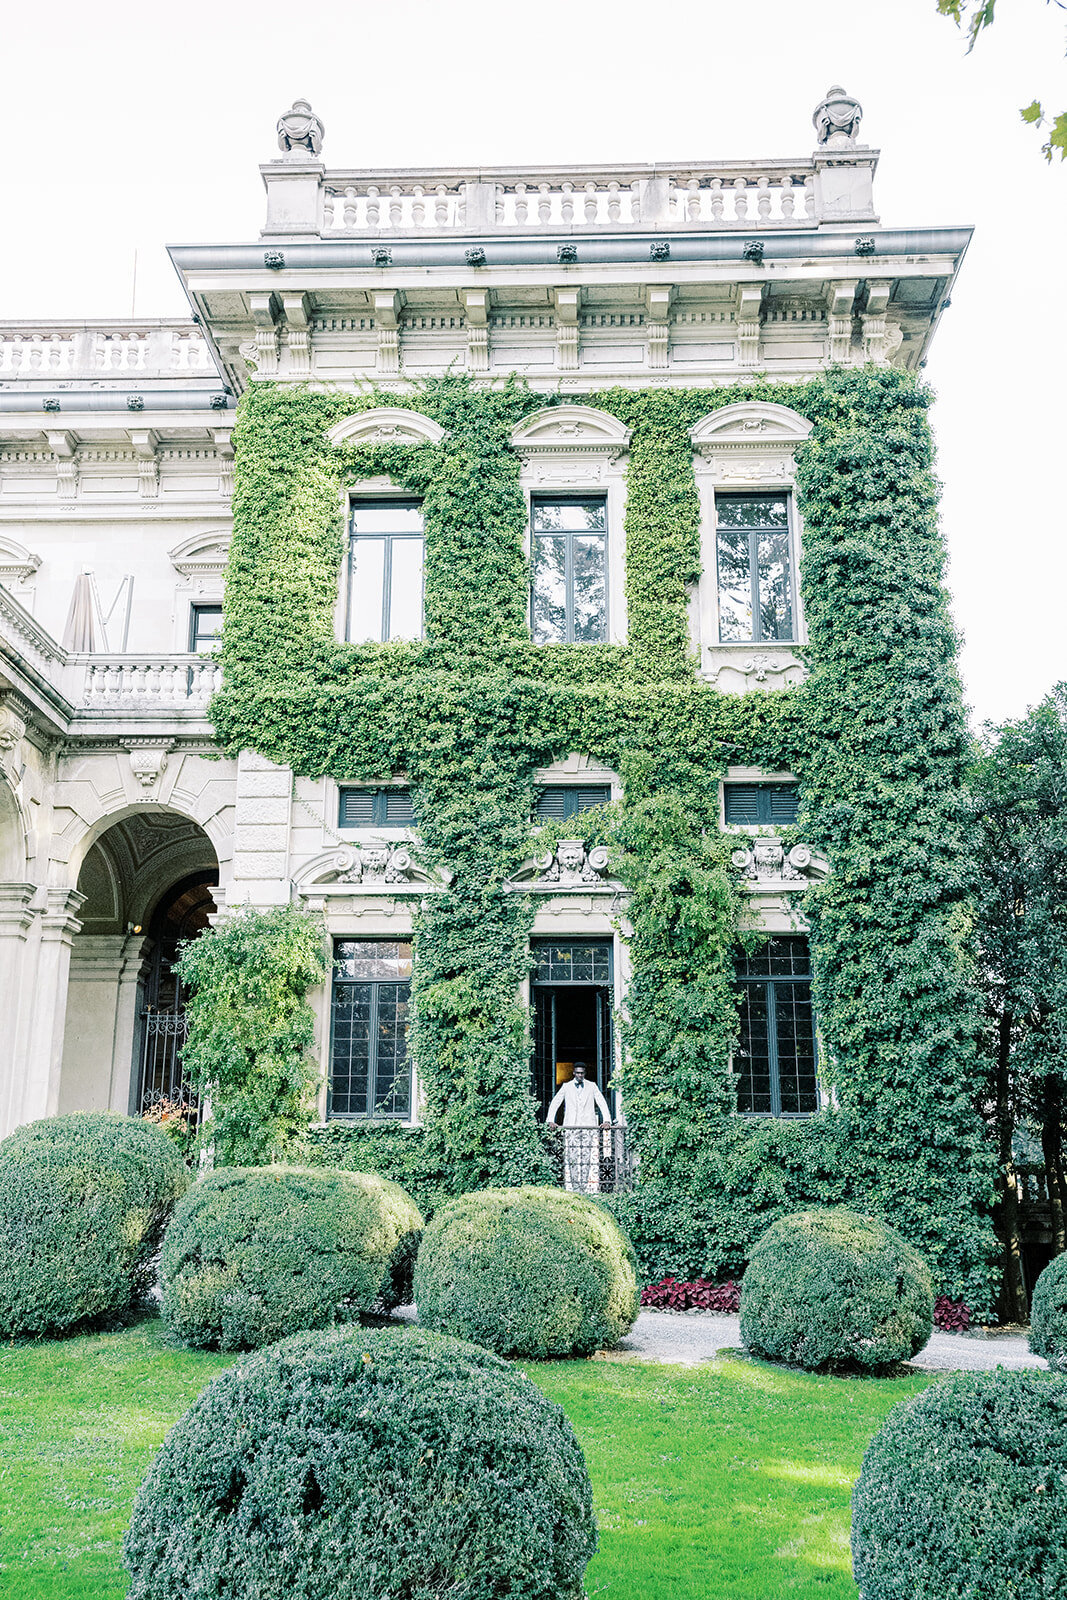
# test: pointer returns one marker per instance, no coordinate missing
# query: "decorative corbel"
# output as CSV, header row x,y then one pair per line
x,y
223,438
145,442
388,304
64,448
265,312
874,323
841,298
12,730
298,334
568,310
476,314
749,314
148,760
658,302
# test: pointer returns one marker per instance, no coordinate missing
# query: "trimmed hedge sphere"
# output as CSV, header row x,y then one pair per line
x,y
1048,1315
84,1199
255,1253
964,1492
527,1272
365,1464
830,1288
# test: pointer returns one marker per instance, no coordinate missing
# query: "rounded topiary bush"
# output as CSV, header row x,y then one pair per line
x,y
830,1288
365,1464
1048,1315
527,1272
255,1253
83,1201
964,1492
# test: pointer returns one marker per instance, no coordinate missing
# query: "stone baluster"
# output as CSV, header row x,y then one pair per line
x,y
329,201
374,205
741,199
521,203
693,202
418,206
718,200
763,198
809,196
440,210
351,207
787,201
614,202
635,200
396,206
592,202
567,203
544,204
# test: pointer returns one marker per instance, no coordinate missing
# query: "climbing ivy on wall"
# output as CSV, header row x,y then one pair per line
x,y
877,737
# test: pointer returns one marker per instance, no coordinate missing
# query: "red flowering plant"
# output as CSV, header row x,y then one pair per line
x,y
698,1295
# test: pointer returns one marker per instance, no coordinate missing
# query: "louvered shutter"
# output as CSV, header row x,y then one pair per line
x,y
357,808
784,803
742,802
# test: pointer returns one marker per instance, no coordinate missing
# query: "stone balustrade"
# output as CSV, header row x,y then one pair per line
x,y
144,684
120,350
720,195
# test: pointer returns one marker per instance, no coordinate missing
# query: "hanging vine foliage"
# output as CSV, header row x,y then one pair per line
x,y
876,736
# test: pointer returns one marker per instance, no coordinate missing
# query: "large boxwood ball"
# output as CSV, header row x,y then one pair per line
x,y
364,1464
527,1272
1048,1315
83,1201
255,1253
830,1288
964,1492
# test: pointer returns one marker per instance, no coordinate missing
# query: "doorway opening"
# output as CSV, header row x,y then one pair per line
x,y
572,995
183,914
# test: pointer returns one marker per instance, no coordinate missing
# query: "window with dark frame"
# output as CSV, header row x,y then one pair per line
x,y
757,603
375,808
569,560
558,801
205,628
775,1059
749,804
370,1068
385,562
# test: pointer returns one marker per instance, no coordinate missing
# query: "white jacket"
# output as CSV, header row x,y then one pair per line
x,y
580,1105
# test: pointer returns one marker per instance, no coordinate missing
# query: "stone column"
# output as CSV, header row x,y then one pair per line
x,y
98,1041
47,993
261,833
17,917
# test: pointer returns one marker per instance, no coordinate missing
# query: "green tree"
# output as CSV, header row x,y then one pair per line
x,y
976,16
251,1029
1020,785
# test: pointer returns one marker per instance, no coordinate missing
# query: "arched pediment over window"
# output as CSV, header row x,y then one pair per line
x,y
386,425
202,556
16,562
750,424
573,429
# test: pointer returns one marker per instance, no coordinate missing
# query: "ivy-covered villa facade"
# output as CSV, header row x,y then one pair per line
x,y
534,576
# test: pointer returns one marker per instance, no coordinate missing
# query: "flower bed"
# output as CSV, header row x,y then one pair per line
x,y
698,1295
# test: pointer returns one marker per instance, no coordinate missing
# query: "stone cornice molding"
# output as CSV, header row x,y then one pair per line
x,y
386,425
749,427
571,430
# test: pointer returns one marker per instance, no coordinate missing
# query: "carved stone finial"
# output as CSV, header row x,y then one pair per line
x,y
300,131
837,117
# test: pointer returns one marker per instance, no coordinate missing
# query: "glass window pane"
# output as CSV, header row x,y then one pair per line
x,y
590,589
550,589
574,516
752,511
365,589
372,958
796,1048
405,589
206,627
572,962
735,586
775,601
385,516
752,1056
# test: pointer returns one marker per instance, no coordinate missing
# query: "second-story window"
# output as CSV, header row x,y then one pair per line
x,y
570,570
385,557
750,804
755,567
205,628
375,808
558,801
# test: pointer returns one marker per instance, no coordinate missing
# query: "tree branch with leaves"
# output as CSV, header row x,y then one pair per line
x,y
975,16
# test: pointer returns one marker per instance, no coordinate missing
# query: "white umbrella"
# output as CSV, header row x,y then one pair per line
x,y
79,635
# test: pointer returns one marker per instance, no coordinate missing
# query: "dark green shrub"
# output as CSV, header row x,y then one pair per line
x,y
830,1288
255,1253
964,1492
365,1464
1048,1315
527,1272
84,1199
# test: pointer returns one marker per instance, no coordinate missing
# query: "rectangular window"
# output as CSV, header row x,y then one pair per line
x,y
559,800
570,571
375,808
385,559
205,628
775,1057
775,804
370,1069
756,601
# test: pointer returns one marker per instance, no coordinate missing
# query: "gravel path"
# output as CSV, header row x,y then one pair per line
x,y
691,1337
687,1338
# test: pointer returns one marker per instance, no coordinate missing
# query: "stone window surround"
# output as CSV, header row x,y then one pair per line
x,y
748,775
744,448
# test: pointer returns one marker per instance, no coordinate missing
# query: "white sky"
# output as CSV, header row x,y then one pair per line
x,y
128,125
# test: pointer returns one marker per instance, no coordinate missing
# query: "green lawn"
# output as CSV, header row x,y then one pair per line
x,y
725,1482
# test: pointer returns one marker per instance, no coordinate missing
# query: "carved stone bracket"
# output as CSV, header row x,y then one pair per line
x,y
374,867
571,865
373,863
148,761
765,863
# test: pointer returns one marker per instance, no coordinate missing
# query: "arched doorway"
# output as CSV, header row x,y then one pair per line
x,y
147,881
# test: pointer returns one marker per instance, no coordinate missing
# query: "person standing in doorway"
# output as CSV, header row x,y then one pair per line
x,y
582,1104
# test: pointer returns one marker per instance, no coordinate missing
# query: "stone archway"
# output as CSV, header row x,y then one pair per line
x,y
133,878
